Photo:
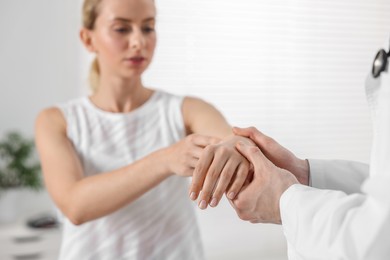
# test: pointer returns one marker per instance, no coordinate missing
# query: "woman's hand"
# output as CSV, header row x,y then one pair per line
x,y
184,155
221,168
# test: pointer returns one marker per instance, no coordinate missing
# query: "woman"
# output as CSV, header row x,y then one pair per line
x,y
113,161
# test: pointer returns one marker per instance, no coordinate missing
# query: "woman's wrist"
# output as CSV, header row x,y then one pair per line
x,y
161,159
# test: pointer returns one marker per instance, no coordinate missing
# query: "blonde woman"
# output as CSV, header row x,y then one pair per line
x,y
114,162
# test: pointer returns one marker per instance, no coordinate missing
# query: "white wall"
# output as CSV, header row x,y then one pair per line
x,y
39,67
39,59
293,68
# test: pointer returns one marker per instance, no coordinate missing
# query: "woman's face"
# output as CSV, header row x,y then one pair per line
x,y
124,36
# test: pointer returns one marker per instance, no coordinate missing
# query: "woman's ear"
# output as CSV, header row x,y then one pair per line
x,y
86,39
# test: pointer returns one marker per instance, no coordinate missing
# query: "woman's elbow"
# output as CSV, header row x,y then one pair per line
x,y
76,220
75,214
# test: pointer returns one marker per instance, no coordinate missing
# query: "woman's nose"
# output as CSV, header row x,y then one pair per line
x,y
137,40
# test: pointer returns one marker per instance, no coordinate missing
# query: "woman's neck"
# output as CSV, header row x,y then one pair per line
x,y
120,96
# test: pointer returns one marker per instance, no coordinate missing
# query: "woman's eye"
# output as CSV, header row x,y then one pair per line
x,y
148,29
122,30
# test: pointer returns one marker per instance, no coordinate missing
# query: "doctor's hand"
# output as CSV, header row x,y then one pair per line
x,y
277,154
258,201
220,169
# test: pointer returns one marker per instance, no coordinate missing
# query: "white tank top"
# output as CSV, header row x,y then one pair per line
x,y
162,223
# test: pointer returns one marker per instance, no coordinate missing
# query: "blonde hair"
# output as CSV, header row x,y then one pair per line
x,y
89,15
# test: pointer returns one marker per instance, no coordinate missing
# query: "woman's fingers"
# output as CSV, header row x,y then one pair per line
x,y
200,172
240,178
211,178
220,184
196,152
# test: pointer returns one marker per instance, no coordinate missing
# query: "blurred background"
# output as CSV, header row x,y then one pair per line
x,y
295,69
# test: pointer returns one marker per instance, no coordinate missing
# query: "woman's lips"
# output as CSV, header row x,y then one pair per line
x,y
135,60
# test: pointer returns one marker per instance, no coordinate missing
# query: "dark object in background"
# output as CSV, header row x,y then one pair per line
x,y
42,221
380,63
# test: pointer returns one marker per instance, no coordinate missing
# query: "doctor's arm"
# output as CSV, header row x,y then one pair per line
x,y
318,224
336,225
346,176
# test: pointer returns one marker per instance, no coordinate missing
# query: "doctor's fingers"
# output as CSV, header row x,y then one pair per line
x,y
254,155
245,203
260,139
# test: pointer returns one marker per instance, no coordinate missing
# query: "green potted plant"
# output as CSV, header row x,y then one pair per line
x,y
19,170
18,165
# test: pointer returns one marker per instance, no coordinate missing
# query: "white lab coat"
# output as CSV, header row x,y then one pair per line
x,y
347,214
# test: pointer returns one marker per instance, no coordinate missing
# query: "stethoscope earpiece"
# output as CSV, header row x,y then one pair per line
x,y
380,63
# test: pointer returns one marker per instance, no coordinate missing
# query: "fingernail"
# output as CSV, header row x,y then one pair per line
x,y
231,195
202,204
193,196
214,202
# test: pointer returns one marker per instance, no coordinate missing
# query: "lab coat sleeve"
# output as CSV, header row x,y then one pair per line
x,y
329,224
339,175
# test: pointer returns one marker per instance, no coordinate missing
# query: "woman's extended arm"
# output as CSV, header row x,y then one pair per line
x,y
77,196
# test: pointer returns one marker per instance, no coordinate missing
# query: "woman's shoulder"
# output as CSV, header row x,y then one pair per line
x,y
50,118
195,103
55,115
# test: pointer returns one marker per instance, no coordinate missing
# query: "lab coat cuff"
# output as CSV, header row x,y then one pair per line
x,y
290,206
288,209
317,172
